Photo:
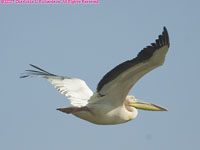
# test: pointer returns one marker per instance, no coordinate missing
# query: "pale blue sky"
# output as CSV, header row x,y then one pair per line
x,y
86,41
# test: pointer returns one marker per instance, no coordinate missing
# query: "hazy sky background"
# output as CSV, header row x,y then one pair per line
x,y
86,41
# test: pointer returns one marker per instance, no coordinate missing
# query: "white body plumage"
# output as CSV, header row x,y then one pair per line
x,y
110,104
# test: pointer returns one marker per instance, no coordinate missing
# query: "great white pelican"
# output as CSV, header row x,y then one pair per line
x,y
110,104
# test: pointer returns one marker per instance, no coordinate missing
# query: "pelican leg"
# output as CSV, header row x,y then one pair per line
x,y
70,110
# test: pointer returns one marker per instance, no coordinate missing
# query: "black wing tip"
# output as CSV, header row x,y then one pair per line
x,y
34,66
37,68
162,40
166,35
23,76
36,72
42,70
165,28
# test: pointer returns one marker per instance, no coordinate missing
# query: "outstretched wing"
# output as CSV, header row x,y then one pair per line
x,y
118,82
76,90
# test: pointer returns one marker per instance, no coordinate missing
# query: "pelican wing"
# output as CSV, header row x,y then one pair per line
x,y
118,82
76,90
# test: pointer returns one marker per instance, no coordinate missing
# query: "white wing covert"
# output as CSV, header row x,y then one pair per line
x,y
75,89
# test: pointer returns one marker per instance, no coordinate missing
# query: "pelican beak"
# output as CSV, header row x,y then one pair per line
x,y
139,104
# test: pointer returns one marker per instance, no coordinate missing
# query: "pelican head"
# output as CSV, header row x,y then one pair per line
x,y
140,104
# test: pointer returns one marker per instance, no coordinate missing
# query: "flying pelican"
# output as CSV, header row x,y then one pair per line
x,y
110,104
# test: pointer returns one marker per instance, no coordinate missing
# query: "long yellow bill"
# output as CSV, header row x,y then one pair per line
x,y
146,106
